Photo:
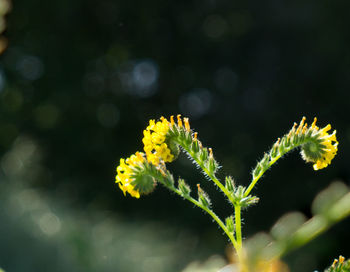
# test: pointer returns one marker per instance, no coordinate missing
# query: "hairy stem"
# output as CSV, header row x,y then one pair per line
x,y
214,216
210,175
238,223
255,180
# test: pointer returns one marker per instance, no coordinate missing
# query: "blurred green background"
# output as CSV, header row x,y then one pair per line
x,y
79,82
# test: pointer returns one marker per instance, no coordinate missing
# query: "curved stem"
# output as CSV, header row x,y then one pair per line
x,y
255,180
270,163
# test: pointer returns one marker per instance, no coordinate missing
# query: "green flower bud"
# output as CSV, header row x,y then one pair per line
x,y
184,188
203,198
265,161
274,150
203,154
230,184
230,224
195,144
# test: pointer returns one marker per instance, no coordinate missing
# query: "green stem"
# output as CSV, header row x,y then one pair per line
x,y
271,162
291,144
238,223
255,180
210,175
218,183
211,213
214,216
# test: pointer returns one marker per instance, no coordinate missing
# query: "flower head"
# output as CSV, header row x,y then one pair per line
x,y
131,178
154,141
157,141
321,148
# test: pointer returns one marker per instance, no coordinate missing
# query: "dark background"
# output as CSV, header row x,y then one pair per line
x,y
80,80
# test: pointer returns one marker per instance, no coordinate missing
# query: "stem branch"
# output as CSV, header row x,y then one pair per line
x,y
255,180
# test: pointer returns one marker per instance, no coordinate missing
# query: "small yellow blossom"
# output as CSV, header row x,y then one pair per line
x,y
323,150
157,139
155,147
330,143
125,173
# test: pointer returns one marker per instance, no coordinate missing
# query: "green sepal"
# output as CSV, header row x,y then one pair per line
x,y
203,155
211,165
257,170
230,184
143,183
265,161
184,188
195,147
187,138
174,148
229,222
312,150
203,198
248,201
243,201
274,151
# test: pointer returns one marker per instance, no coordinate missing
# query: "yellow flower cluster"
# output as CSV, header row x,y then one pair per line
x,y
155,139
330,143
327,142
155,147
125,173
157,151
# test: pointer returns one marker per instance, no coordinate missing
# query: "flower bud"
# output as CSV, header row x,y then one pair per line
x,y
230,224
203,198
230,184
184,188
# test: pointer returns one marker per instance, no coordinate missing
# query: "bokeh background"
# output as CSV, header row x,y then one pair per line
x,y
78,83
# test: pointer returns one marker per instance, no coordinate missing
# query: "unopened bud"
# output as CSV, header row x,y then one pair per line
x,y
203,198
265,161
274,150
257,170
184,188
203,154
212,165
195,145
230,224
230,184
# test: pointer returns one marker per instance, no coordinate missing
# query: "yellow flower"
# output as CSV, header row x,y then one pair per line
x,y
154,141
323,149
159,139
125,173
